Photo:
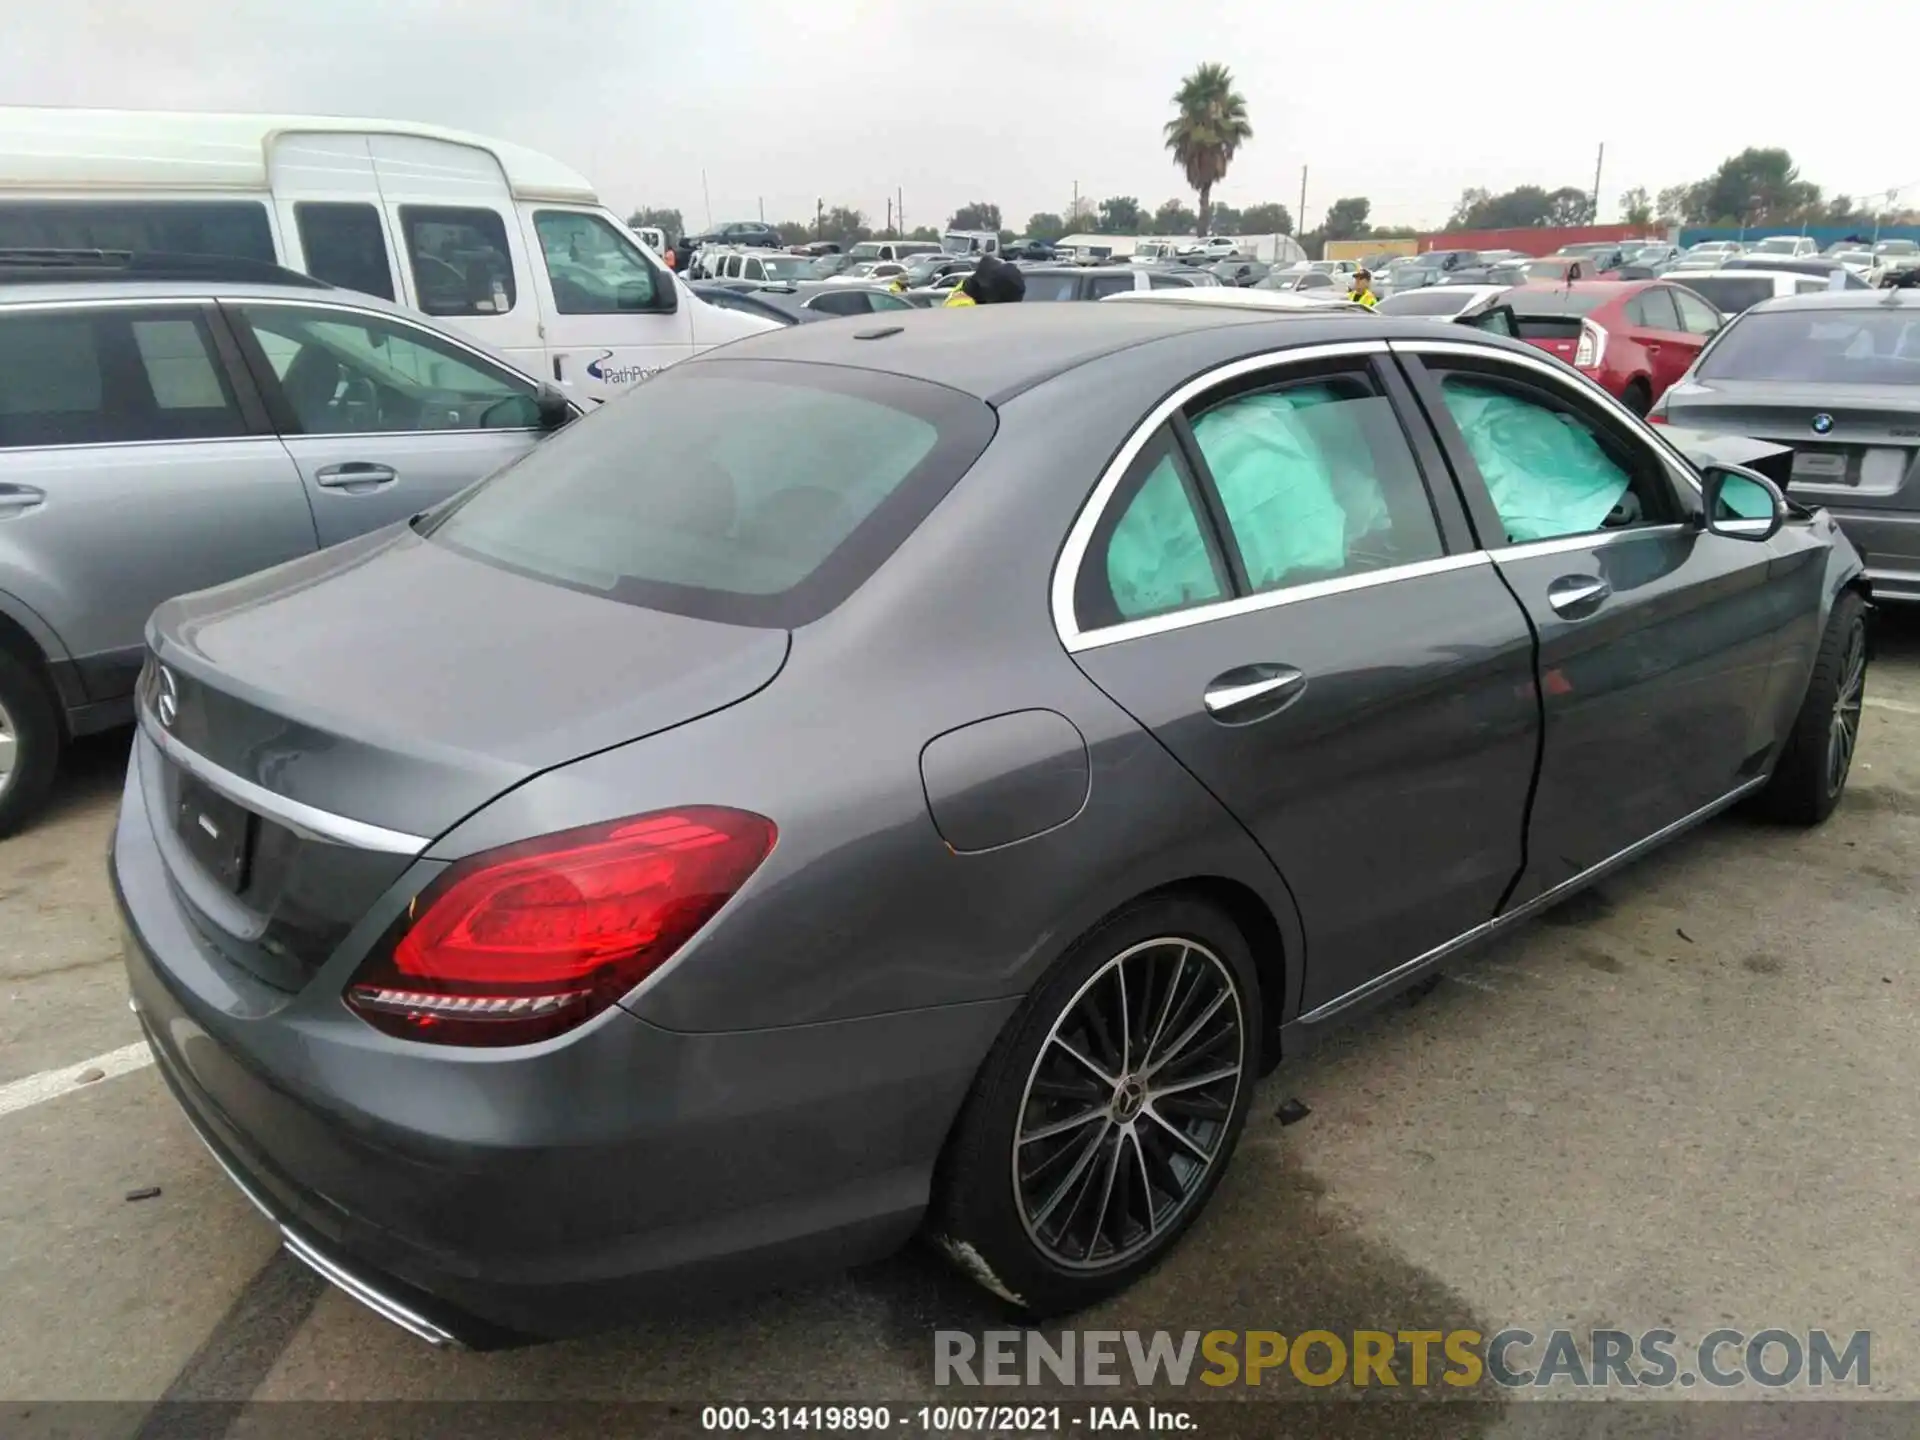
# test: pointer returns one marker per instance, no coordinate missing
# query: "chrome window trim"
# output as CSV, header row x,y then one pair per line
x,y
1066,569
108,302
304,820
1585,540
1567,379
1272,599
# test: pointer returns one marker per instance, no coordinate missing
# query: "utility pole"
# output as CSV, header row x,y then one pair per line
x,y
1601,160
1300,219
889,214
900,210
707,196
761,201
819,224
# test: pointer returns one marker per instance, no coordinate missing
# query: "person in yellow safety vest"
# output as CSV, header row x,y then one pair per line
x,y
993,282
1362,291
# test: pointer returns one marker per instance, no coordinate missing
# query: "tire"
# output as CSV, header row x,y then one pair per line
x,y
29,742
1637,397
1017,1162
1812,772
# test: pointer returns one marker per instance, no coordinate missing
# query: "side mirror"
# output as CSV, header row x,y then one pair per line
x,y
1741,503
552,406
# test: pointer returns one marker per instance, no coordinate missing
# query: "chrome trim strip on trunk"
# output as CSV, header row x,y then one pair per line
x,y
1501,923
304,820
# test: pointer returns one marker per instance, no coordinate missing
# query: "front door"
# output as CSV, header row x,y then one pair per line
x,y
1655,637
384,418
1268,592
613,315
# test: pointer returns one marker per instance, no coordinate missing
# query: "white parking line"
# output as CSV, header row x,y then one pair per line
x,y
1899,707
52,1084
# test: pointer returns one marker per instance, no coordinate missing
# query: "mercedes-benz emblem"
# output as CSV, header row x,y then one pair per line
x,y
1822,423
166,698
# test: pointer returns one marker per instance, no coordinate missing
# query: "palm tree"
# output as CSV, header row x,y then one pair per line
x,y
1210,126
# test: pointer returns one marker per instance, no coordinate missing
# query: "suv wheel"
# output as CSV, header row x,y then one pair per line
x,y
29,742
1104,1117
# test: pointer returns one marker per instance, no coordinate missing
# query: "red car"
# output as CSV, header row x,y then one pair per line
x,y
1634,337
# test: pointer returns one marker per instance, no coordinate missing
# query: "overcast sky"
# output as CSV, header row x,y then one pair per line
x,y
849,100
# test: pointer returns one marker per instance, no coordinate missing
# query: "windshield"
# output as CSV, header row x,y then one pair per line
x,y
668,500
865,250
1548,269
1897,247
787,267
1436,300
1867,346
1731,294
1778,245
829,265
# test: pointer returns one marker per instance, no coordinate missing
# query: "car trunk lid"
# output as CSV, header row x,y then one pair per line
x,y
308,740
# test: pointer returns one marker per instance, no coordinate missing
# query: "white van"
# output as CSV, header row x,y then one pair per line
x,y
892,249
504,243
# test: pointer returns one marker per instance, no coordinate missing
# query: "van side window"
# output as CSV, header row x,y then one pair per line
x,y
344,246
595,270
237,228
461,263
110,376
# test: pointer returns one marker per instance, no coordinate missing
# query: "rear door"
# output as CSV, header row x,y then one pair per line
x,y
332,225
1268,585
1655,637
134,465
383,418
1670,349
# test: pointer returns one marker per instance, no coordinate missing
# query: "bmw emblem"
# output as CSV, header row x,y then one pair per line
x,y
166,698
1821,423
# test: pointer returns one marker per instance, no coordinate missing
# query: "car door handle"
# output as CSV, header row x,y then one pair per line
x,y
1253,692
1576,595
19,499
355,476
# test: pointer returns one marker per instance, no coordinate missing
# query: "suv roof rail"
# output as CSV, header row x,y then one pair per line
x,y
17,264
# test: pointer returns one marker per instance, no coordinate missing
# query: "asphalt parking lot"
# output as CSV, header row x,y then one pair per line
x,y
1690,1098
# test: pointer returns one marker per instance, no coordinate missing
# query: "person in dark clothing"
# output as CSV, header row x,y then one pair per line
x,y
993,282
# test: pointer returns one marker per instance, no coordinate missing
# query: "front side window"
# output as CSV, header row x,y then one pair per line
x,y
1151,553
593,268
1696,316
349,373
1316,480
345,245
1105,285
461,262
668,500
1548,469
89,377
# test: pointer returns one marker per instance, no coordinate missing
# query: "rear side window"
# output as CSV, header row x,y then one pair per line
x,y
1152,553
1317,481
237,228
1654,310
760,493
76,377
460,259
345,245
1050,287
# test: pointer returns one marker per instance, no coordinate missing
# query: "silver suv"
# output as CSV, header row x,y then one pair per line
x,y
171,424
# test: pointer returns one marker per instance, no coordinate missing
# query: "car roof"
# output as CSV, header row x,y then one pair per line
x,y
69,292
1843,300
1233,298
1750,272
996,352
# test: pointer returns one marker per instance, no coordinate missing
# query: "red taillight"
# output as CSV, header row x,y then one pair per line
x,y
524,942
1656,417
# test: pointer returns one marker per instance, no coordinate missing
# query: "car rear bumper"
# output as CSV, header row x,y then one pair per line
x,y
486,1198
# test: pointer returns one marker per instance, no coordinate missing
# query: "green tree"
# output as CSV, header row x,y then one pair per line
x,y
794,232
1175,218
1522,206
1570,206
1347,219
1472,203
1755,185
1635,208
923,232
1671,204
667,222
1209,126
1045,225
844,226
1120,215
1223,219
1267,218
977,216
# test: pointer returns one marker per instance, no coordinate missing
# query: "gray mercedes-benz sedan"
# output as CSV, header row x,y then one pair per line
x,y
1836,376
916,774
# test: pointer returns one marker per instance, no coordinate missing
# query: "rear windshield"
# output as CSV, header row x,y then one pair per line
x,y
1423,302
1546,327
754,492
1731,294
1558,302
1837,347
